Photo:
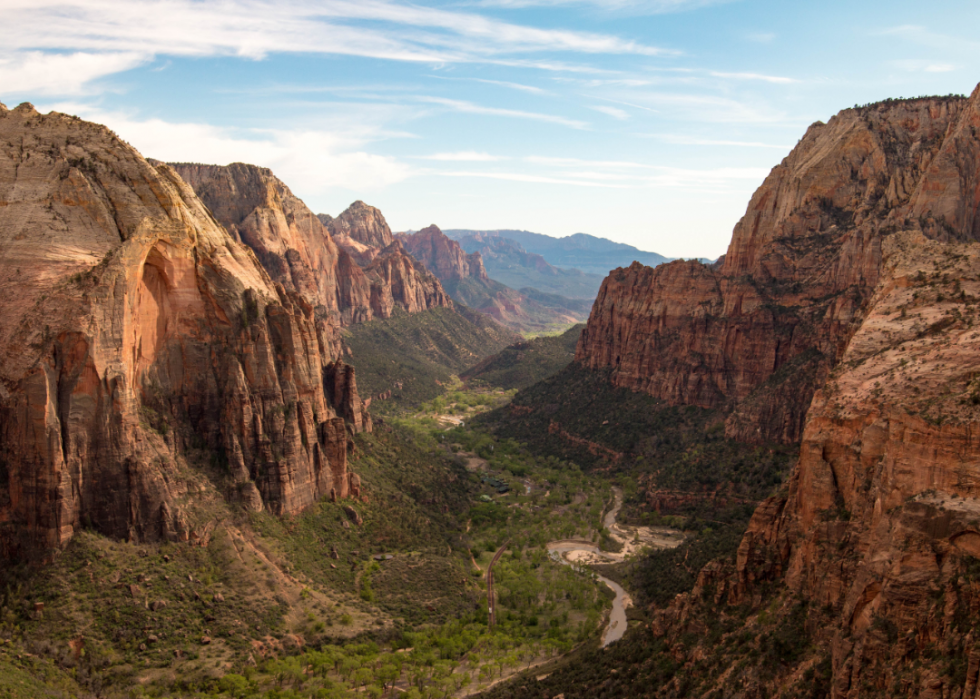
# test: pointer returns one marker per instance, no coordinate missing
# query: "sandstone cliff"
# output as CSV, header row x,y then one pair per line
x,y
301,254
861,577
443,255
137,337
760,331
465,279
876,540
362,224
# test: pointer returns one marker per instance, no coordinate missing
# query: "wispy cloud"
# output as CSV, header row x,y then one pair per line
x,y
619,175
471,108
313,162
614,112
776,79
500,83
926,37
923,66
62,73
513,86
688,141
382,29
652,7
468,156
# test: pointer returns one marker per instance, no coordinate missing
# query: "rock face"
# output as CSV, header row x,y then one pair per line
x,y
443,255
299,252
466,281
137,336
759,331
363,224
881,519
877,536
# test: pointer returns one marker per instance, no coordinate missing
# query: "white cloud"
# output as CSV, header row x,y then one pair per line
x,y
614,112
464,156
612,175
108,35
923,66
513,86
311,162
61,73
776,79
471,108
688,141
653,7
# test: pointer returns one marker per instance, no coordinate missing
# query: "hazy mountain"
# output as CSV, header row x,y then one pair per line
x,y
581,251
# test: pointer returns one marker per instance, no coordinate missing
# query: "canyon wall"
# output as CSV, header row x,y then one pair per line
x,y
148,361
345,277
876,537
758,332
442,255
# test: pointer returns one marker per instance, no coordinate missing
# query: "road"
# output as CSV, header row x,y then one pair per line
x,y
490,602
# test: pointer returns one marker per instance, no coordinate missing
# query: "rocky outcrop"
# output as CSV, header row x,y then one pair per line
x,y
443,255
869,557
397,279
880,522
138,338
361,224
466,281
301,254
757,333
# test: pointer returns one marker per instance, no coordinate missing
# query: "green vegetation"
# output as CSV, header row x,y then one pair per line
x,y
681,452
315,604
415,355
538,311
524,363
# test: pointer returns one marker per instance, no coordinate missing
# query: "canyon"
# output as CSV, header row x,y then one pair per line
x,y
843,317
138,337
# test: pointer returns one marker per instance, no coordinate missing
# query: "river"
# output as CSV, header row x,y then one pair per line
x,y
579,552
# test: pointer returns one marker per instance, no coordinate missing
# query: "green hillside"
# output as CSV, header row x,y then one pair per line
x,y
414,355
524,363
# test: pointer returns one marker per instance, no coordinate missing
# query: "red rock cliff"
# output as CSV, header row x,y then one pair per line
x,y
759,332
878,533
299,252
136,337
443,255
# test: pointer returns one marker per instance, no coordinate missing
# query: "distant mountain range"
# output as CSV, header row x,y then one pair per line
x,y
581,251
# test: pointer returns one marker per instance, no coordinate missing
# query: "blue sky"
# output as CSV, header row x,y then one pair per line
x,y
649,122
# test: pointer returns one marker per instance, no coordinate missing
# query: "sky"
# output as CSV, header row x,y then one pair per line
x,y
649,122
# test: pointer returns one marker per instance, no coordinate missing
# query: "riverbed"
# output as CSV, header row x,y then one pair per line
x,y
578,552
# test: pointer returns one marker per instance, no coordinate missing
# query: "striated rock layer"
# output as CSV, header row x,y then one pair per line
x,y
465,279
300,253
138,339
443,255
878,532
758,332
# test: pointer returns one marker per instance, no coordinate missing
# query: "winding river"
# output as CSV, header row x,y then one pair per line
x,y
579,552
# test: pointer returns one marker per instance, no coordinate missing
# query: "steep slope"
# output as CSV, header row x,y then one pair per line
x,y
136,332
861,577
361,224
465,279
296,250
443,255
759,331
509,263
408,358
581,251
526,362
